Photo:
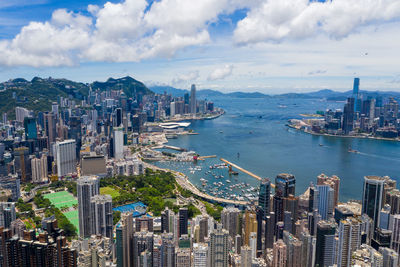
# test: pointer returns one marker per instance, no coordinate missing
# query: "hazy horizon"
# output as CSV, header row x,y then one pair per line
x,y
273,47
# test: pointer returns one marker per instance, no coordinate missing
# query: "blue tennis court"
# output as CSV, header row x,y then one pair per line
x,y
138,209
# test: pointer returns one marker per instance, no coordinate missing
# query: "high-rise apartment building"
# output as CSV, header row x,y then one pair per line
x,y
349,234
323,199
200,254
7,214
66,157
230,220
334,182
250,226
50,128
325,244
118,143
124,246
219,249
102,215
390,257
279,254
39,169
87,187
183,257
395,227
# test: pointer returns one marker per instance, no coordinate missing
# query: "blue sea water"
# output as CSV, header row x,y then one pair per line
x,y
255,128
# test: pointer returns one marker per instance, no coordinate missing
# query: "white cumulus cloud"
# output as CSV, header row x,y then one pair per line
x,y
276,20
127,31
221,73
186,77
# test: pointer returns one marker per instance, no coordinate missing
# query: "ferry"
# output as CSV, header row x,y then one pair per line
x,y
352,150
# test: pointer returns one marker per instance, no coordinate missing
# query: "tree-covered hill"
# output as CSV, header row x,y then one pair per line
x,y
39,93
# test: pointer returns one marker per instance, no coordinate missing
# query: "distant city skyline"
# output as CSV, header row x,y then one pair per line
x,y
316,45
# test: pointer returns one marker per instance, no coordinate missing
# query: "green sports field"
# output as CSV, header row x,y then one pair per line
x,y
73,217
65,199
61,199
109,191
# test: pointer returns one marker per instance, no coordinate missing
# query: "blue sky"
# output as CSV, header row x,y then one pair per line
x,y
270,46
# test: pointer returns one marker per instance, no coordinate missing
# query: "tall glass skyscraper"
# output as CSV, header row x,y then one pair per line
x,y
193,105
30,128
264,196
356,87
372,197
285,184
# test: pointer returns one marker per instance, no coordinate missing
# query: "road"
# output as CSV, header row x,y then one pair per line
x,y
184,182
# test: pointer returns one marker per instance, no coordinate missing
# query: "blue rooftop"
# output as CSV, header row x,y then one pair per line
x,y
138,209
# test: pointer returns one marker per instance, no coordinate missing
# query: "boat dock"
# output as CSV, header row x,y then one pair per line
x,y
206,157
175,148
184,182
245,171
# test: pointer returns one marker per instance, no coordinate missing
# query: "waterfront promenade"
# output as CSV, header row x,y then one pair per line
x,y
184,182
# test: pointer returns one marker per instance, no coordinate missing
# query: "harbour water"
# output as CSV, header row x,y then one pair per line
x,y
253,135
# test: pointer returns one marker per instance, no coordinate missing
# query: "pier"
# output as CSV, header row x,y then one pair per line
x,y
245,171
207,157
175,148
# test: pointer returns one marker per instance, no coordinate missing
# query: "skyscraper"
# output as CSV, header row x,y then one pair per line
x,y
75,133
349,240
102,216
250,226
285,184
118,143
280,254
219,250
193,103
124,246
390,257
348,116
325,244
323,201
372,199
142,242
246,256
200,252
183,221
7,214
230,220
334,182
356,95
395,241
21,113
183,257
87,187
66,157
264,196
30,128
39,169
50,128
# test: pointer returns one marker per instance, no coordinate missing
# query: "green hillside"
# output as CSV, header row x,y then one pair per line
x,y
39,93
131,87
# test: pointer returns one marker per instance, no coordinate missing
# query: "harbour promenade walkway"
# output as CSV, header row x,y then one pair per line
x,y
184,182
